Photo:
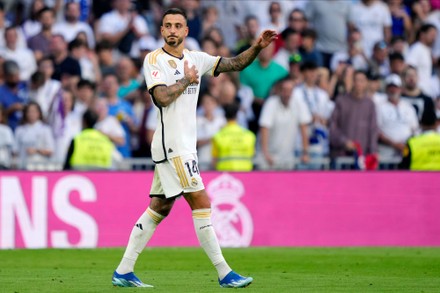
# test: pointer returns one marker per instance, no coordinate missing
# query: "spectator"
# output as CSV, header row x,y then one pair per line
x,y
397,120
85,96
32,26
319,107
295,68
290,46
21,55
282,116
88,61
147,44
401,19
308,51
379,62
46,92
210,18
330,19
297,20
434,19
194,22
260,76
399,45
71,126
146,113
67,69
413,94
420,56
122,27
72,26
435,83
6,142
107,124
89,150
39,43
354,55
233,147
354,121
375,89
373,19
397,63
423,151
5,23
276,19
251,31
228,95
120,109
209,122
33,139
13,93
106,58
127,84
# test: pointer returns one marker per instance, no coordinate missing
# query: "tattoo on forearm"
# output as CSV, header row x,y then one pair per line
x,y
165,95
239,62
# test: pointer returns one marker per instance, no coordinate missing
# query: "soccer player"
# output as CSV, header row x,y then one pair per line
x,y
173,75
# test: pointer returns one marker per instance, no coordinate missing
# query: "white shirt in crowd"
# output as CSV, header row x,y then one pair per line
x,y
110,126
70,31
434,19
398,123
45,95
72,126
206,129
358,61
6,144
113,22
283,125
24,58
371,21
37,135
419,56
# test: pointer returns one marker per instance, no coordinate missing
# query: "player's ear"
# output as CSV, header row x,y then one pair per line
x,y
186,31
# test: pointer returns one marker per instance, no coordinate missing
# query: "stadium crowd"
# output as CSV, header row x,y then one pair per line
x,y
354,78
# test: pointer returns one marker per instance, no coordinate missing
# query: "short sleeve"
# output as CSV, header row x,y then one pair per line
x,y
154,75
207,64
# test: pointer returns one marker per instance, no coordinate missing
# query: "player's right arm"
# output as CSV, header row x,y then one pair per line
x,y
165,95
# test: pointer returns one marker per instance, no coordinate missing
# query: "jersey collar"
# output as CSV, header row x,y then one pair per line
x,y
180,58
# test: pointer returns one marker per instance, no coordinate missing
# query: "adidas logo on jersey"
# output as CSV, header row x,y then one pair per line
x,y
139,225
177,72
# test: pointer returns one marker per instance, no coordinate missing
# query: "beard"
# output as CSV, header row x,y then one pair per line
x,y
175,42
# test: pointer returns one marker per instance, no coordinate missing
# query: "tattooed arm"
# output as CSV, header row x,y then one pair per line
x,y
165,95
241,61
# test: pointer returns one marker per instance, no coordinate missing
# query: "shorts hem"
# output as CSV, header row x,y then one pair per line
x,y
163,196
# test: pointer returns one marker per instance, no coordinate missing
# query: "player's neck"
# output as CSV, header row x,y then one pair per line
x,y
174,51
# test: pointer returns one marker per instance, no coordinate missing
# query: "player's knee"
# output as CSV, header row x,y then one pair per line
x,y
162,206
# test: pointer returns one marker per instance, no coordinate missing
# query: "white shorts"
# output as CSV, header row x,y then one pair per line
x,y
176,176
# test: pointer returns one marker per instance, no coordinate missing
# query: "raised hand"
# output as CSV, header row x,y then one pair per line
x,y
266,38
191,73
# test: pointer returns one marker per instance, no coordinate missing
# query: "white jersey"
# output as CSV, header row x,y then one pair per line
x,y
176,132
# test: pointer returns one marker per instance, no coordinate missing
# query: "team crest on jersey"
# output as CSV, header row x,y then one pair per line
x,y
172,63
155,74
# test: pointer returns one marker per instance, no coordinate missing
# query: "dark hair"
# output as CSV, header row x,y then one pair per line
x,y
396,56
75,44
86,83
250,17
231,110
429,118
43,10
424,29
103,45
89,118
37,78
309,32
309,65
10,67
26,110
356,72
288,32
175,11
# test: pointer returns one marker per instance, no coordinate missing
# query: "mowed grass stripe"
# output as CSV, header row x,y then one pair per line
x,y
188,269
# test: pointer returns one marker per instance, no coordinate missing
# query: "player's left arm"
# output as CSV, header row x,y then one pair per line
x,y
242,60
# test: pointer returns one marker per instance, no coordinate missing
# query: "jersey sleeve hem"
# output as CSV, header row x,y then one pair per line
x,y
215,67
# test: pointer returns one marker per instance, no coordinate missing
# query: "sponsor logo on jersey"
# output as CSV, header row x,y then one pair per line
x,y
155,74
172,63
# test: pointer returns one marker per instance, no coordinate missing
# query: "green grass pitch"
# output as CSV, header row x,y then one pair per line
x,y
188,270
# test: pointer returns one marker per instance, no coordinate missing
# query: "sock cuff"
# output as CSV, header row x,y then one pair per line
x,y
201,214
157,218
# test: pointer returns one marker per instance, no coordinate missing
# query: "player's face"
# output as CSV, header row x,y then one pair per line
x,y
174,29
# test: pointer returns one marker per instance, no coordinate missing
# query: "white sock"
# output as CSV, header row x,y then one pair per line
x,y
139,237
208,240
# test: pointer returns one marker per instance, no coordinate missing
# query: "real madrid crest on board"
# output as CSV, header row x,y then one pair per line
x,y
172,63
230,217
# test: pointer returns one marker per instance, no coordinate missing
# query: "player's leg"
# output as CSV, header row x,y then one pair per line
x,y
141,233
201,211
